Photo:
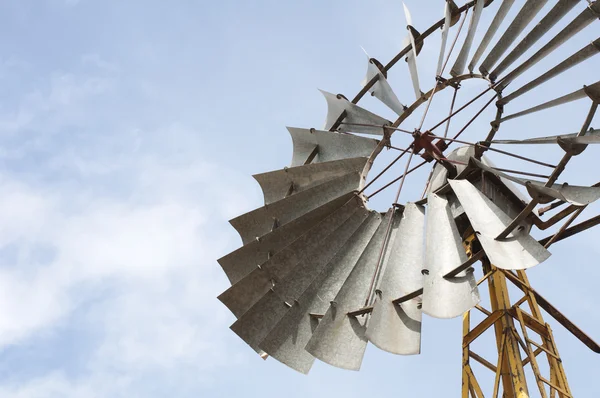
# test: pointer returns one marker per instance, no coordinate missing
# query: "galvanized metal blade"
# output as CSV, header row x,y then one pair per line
x,y
445,298
382,89
445,29
587,16
573,194
574,96
411,58
590,137
577,58
461,60
279,184
340,339
560,9
246,292
529,10
287,340
518,251
263,220
396,328
489,34
330,145
244,260
356,119
254,325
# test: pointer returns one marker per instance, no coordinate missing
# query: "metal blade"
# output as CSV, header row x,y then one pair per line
x,y
254,325
561,9
445,298
331,145
445,29
575,95
587,16
340,339
529,10
279,184
355,116
261,221
382,89
577,58
244,260
518,251
590,137
461,60
396,328
573,194
245,293
286,341
492,29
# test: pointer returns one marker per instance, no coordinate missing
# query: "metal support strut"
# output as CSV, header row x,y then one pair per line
x,y
521,337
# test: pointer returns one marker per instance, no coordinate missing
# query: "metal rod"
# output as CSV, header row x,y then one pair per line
x,y
385,169
383,127
390,183
496,150
451,109
454,42
442,71
476,115
463,107
388,230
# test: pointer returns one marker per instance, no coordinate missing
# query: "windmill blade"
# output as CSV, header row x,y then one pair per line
x,y
279,184
573,194
340,339
392,327
518,251
574,96
560,9
244,260
243,294
286,342
255,323
352,116
411,58
461,60
382,89
489,34
586,17
445,29
590,137
586,52
261,221
529,10
445,298
329,145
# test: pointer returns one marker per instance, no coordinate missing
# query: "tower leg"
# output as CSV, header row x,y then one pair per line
x,y
521,337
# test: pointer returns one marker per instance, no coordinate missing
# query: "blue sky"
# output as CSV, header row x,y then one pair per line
x,y
129,131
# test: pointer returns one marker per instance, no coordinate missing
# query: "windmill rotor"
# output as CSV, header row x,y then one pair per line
x,y
320,275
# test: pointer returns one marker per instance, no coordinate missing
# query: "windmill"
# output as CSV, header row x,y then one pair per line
x,y
320,275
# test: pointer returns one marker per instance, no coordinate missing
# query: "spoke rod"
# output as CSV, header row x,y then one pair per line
x,y
386,168
387,231
451,109
438,81
383,127
476,116
463,107
496,150
397,179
